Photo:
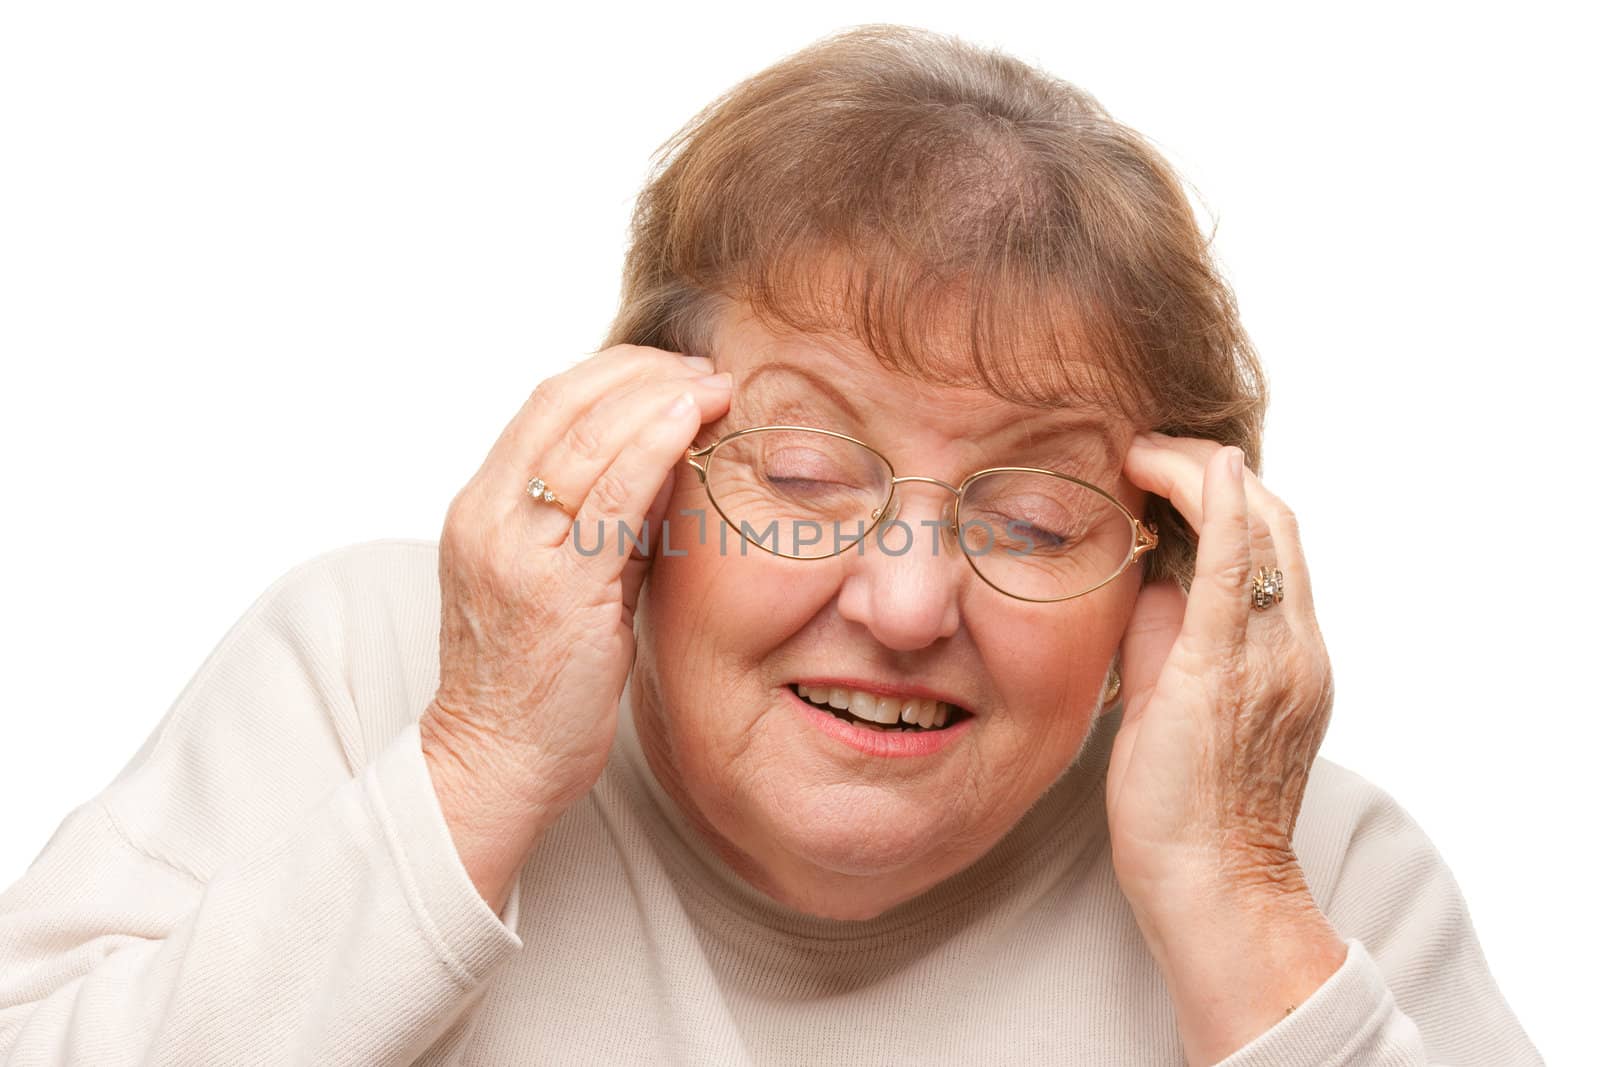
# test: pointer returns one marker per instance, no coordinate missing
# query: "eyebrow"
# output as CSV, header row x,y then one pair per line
x,y
1080,427
822,384
1027,435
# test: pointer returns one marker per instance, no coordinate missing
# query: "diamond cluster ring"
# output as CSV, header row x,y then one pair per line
x,y
544,495
1266,588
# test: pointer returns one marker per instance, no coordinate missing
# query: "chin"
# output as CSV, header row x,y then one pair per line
x,y
856,831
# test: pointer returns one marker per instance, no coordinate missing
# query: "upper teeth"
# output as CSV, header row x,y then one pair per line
x,y
887,710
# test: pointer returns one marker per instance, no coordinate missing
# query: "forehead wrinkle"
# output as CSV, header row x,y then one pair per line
x,y
778,370
1081,440
1085,436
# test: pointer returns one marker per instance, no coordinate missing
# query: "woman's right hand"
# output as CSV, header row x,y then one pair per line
x,y
536,638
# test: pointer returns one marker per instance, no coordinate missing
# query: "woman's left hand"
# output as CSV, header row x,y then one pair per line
x,y
1224,707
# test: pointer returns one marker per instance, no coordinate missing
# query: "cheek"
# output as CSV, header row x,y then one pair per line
x,y
1049,664
708,599
716,595
716,616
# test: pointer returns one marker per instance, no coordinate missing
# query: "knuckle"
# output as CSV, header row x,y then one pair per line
x,y
1260,531
550,398
586,440
488,544
609,495
1305,685
1287,521
632,352
1275,510
474,533
1323,685
1234,572
651,352
461,519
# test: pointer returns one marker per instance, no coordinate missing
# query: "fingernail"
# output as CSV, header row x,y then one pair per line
x,y
716,381
700,363
1235,461
681,406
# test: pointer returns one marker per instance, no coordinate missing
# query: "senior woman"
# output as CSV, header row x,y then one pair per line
x,y
881,650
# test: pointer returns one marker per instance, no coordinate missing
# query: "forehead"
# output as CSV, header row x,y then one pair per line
x,y
832,380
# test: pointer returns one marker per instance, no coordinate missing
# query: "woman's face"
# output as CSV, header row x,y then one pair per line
x,y
812,821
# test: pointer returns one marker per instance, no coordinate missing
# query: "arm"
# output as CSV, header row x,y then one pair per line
x,y
271,878
1229,693
1409,984
294,867
1395,898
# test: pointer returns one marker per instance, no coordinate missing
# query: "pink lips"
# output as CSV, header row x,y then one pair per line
x,y
880,742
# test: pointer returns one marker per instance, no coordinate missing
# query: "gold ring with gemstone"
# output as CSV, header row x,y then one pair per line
x,y
545,495
1266,588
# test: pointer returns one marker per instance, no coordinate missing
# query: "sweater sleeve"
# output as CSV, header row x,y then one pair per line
x,y
1414,988
271,879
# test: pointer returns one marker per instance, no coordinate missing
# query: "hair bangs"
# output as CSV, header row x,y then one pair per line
x,y
995,325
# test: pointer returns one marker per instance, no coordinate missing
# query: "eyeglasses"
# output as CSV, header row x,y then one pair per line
x,y
1032,534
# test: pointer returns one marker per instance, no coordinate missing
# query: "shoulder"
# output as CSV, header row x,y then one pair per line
x,y
329,663
1371,867
359,625
1379,879
353,631
394,573
1344,812
372,605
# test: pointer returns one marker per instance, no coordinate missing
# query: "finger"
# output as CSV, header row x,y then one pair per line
x,y
1263,558
638,564
1174,467
1219,607
576,461
1147,642
628,486
641,405
655,515
558,401
1288,550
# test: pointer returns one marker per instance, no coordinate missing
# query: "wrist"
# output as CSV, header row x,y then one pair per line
x,y
1196,914
1205,895
1177,886
489,801
1238,952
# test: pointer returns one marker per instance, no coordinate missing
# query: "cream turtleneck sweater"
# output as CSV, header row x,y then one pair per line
x,y
270,880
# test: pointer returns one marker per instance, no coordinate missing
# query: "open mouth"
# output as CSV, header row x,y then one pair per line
x,y
910,715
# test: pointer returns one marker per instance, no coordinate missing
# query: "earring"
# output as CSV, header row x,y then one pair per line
x,y
1113,688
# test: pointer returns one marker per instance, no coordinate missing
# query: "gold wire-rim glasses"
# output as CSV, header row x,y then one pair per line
x,y
1143,540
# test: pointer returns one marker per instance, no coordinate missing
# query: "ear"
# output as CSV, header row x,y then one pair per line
x,y
1111,687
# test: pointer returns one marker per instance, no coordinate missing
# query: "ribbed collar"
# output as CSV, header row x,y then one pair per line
x,y
1064,823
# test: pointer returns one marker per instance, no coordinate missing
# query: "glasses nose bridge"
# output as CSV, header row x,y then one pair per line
x,y
946,513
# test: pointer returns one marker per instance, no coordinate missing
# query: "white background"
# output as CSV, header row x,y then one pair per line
x,y
274,276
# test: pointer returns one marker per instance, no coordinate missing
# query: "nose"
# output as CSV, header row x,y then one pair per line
x,y
903,581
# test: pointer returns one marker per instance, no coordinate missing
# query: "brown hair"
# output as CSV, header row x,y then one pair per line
x,y
905,187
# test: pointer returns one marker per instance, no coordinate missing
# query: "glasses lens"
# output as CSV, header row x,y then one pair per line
x,y
799,493
1041,536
